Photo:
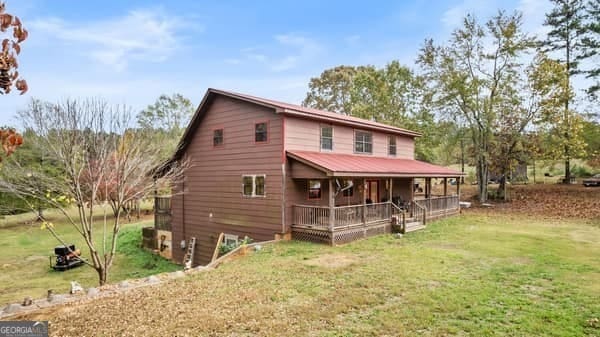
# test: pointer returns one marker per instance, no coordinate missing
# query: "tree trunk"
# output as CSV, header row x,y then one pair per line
x,y
482,178
102,275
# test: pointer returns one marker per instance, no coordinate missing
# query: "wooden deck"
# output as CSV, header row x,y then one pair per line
x,y
344,224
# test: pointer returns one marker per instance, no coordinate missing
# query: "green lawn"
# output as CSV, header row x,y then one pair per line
x,y
24,262
471,275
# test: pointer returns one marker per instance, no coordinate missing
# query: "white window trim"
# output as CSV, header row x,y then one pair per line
x,y
253,176
354,143
395,146
321,126
230,237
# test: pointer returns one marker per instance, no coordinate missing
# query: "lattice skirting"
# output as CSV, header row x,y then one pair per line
x,y
311,235
341,236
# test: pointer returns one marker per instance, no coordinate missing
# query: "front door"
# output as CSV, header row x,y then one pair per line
x,y
372,191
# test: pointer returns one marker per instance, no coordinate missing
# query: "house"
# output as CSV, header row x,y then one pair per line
x,y
266,169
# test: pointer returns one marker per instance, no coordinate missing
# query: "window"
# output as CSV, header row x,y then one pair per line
x,y
327,138
260,132
348,188
218,137
314,189
230,240
253,185
392,145
363,142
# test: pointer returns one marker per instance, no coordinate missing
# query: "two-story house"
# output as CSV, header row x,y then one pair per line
x,y
261,168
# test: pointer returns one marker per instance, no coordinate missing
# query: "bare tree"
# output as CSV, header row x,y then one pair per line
x,y
104,161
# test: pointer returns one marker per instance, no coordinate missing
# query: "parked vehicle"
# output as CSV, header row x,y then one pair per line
x,y
593,181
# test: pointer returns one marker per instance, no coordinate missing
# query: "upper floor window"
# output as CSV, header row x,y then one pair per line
x,y
363,142
261,132
218,137
392,145
253,185
326,137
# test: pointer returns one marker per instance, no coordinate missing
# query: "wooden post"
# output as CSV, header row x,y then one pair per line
x,y
331,205
458,193
391,209
445,186
364,200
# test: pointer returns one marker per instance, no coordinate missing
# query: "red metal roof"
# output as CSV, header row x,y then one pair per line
x,y
300,111
363,165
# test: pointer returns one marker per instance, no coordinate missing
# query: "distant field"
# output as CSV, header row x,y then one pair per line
x,y
483,273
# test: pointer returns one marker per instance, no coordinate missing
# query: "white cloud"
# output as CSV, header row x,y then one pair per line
x,y
289,51
453,17
146,35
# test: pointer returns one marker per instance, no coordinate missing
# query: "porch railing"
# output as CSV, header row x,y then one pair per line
x,y
437,205
311,216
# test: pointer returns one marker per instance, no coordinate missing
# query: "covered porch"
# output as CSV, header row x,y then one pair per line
x,y
342,207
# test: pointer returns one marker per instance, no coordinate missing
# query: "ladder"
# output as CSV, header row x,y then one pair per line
x,y
188,259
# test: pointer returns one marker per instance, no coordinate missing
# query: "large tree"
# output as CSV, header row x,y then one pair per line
x,y
474,77
564,41
332,89
104,162
164,121
591,45
393,94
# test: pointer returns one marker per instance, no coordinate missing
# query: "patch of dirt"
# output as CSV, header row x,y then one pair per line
x,y
520,261
554,201
36,258
332,261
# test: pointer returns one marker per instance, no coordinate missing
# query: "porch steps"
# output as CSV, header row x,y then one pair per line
x,y
414,226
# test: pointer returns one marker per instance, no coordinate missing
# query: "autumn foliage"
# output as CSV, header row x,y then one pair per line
x,y
11,47
10,140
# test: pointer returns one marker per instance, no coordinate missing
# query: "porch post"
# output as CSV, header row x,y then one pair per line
x,y
331,205
445,186
390,197
364,200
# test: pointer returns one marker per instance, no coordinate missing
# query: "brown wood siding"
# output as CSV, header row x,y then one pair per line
x,y
213,200
305,135
300,170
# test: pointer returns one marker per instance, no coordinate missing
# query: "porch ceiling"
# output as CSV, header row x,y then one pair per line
x,y
347,165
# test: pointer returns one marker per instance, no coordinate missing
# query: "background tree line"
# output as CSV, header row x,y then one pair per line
x,y
491,96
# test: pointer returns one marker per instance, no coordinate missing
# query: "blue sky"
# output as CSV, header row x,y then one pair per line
x,y
130,52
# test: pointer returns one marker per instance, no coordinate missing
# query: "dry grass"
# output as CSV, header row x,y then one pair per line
x,y
471,275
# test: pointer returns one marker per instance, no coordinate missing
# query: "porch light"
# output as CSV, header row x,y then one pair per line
x,y
182,244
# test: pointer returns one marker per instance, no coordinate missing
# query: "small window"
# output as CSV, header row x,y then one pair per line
x,y
253,185
363,142
327,138
314,189
348,188
260,132
230,240
392,145
218,137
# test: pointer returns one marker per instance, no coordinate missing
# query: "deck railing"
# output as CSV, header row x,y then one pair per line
x,y
317,217
437,205
346,216
311,216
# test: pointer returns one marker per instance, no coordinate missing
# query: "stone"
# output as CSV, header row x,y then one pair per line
x,y
257,248
12,308
57,298
177,274
76,288
27,301
152,279
124,284
398,235
93,292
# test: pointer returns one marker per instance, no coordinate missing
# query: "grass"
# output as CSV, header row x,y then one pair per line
x,y
471,275
25,251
